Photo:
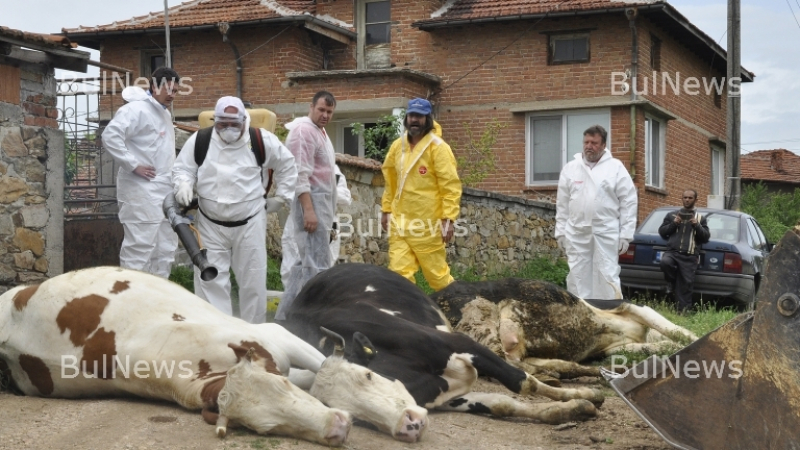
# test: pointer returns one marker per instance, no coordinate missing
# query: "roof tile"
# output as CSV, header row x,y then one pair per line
x,y
51,40
478,9
207,12
771,165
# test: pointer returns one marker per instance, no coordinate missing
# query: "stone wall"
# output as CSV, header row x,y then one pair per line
x,y
494,233
31,179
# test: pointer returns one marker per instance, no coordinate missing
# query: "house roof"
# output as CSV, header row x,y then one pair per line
x,y
771,165
56,51
208,13
48,40
464,12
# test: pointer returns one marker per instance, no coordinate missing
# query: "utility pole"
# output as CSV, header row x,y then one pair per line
x,y
733,181
166,30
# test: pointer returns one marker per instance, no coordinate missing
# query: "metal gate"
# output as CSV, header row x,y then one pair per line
x,y
92,232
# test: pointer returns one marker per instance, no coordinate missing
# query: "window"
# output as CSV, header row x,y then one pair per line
x,y
353,144
553,139
151,60
569,48
717,171
374,36
655,53
654,130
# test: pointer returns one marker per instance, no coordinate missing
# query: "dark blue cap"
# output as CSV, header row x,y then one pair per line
x,y
419,106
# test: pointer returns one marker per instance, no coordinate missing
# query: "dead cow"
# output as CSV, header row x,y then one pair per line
x,y
394,329
108,332
544,328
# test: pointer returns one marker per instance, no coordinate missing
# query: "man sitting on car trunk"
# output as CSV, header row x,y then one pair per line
x,y
685,231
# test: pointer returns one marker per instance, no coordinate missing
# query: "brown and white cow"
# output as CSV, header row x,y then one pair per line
x,y
543,328
108,331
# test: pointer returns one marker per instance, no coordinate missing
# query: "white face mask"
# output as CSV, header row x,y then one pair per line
x,y
229,134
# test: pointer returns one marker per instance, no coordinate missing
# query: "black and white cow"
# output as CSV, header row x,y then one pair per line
x,y
394,329
109,332
543,328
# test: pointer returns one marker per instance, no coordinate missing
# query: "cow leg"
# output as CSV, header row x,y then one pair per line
x,y
562,369
533,386
652,319
500,405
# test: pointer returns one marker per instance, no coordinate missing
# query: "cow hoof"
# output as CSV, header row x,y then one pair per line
x,y
548,380
571,411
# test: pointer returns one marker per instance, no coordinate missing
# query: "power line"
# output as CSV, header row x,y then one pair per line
x,y
792,10
504,48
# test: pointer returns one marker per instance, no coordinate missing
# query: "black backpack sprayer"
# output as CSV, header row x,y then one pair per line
x,y
189,237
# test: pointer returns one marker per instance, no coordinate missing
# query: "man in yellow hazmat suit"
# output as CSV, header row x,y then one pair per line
x,y
422,197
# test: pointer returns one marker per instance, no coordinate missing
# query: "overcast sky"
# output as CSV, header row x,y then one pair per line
x,y
770,37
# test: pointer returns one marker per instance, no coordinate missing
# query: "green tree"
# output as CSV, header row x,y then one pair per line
x,y
775,212
477,158
379,137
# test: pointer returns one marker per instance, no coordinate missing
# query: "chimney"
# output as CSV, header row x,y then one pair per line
x,y
776,161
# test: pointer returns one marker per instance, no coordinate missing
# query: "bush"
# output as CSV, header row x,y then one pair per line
x,y
775,212
379,137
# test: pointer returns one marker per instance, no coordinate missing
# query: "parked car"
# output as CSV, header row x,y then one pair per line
x,y
731,263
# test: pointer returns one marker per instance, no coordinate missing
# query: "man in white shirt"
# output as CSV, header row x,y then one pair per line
x,y
232,218
141,139
595,217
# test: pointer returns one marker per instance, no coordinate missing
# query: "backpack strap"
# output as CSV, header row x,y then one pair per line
x,y
201,143
260,152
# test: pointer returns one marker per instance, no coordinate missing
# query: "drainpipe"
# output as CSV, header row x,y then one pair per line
x,y
224,27
631,13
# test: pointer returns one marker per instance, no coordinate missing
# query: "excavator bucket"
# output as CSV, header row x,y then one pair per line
x,y
737,387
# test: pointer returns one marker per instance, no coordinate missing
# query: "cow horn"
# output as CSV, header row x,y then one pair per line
x,y
222,426
338,342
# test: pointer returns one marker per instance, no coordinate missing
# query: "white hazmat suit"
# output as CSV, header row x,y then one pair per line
x,y
230,188
288,239
595,211
141,134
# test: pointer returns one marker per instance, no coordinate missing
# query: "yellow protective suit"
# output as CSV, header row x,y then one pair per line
x,y
422,188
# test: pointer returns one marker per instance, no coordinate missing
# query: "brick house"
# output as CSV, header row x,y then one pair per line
x,y
545,70
779,169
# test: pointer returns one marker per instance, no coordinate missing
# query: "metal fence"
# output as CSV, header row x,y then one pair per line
x,y
92,232
89,171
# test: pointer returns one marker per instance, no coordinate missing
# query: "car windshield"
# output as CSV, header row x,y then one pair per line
x,y
722,227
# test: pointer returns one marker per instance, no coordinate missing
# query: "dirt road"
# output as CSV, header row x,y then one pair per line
x,y
130,424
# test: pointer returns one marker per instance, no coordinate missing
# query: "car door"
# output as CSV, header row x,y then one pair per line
x,y
757,242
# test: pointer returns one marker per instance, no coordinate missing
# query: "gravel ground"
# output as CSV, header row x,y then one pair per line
x,y
38,423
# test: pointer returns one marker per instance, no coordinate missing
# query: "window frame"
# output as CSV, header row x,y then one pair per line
x,y
564,150
648,156
146,57
551,47
361,30
720,188
655,52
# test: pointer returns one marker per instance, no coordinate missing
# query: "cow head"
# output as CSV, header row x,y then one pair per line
x,y
269,403
367,395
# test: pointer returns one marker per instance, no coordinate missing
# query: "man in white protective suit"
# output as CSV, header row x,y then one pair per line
x,y
595,217
141,139
288,239
232,218
314,207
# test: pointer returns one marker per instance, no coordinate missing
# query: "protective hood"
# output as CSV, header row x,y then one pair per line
x,y
134,94
297,121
